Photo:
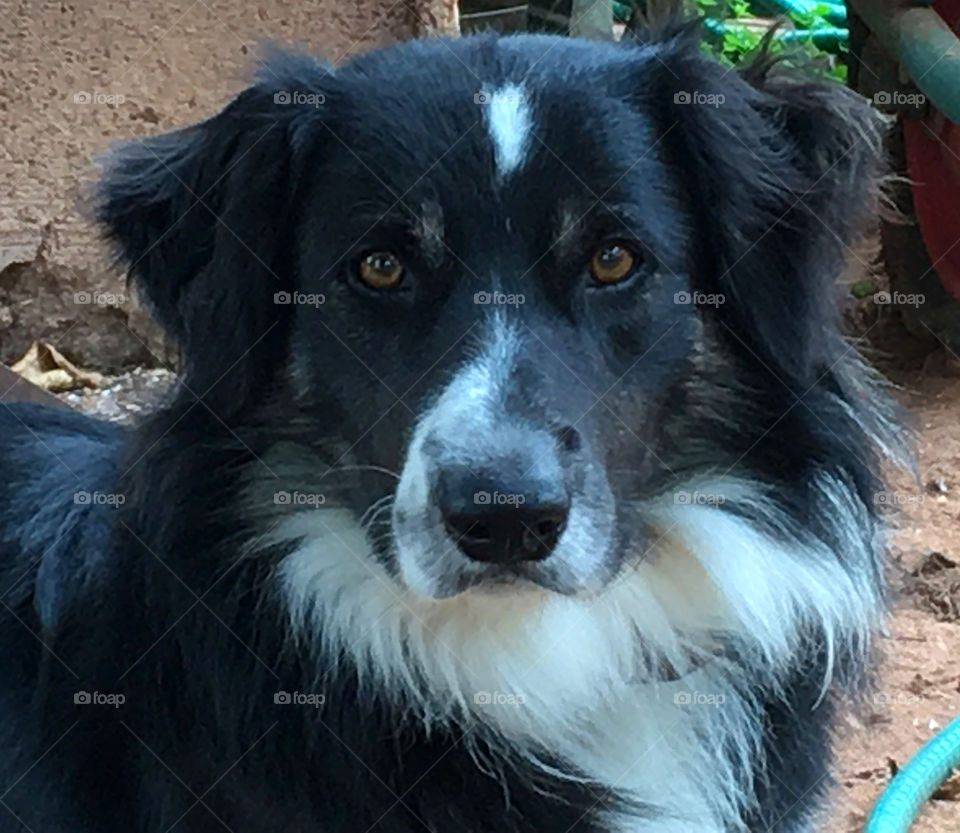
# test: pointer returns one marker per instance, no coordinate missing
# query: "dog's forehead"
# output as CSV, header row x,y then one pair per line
x,y
483,111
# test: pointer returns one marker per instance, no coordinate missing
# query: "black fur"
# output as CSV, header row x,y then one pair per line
x,y
169,598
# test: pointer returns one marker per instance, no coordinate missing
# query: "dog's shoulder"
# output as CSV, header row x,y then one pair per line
x,y
58,493
19,420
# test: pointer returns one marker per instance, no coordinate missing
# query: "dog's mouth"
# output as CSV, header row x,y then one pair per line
x,y
498,579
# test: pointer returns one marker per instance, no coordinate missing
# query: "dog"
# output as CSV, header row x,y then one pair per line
x,y
519,477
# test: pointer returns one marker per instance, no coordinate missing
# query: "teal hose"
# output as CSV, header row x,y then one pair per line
x,y
827,35
834,12
821,36
916,782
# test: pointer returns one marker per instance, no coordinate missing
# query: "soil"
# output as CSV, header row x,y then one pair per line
x,y
918,688
124,398
918,681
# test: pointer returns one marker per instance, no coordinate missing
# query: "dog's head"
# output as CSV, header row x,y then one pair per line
x,y
544,281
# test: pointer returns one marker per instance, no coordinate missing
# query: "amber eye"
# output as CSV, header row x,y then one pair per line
x,y
381,270
611,263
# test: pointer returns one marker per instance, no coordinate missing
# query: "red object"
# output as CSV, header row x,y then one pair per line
x,y
933,163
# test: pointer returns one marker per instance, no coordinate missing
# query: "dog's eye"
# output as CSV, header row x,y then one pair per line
x,y
381,270
611,263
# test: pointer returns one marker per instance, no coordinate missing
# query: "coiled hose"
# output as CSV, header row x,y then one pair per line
x,y
901,801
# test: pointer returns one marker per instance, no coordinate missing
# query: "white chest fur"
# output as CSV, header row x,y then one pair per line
x,y
538,671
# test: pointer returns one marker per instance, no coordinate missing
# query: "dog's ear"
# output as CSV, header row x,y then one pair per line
x,y
783,174
203,219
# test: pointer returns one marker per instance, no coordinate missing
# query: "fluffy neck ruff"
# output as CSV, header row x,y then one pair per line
x,y
728,605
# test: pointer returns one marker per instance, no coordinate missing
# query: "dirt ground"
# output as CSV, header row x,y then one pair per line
x,y
918,689
919,682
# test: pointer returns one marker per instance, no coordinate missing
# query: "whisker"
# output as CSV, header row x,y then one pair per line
x,y
371,512
377,469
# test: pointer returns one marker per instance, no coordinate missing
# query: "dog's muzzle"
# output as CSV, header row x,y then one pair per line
x,y
487,497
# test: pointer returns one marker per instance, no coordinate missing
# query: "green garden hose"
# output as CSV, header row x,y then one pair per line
x,y
901,801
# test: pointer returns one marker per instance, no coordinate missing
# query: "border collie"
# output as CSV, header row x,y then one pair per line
x,y
519,478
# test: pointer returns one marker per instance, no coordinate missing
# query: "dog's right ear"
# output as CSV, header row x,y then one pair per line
x,y
203,219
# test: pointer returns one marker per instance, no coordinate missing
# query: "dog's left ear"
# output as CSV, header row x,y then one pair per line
x,y
203,218
782,175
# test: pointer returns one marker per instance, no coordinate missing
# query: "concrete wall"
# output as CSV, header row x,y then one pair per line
x,y
76,75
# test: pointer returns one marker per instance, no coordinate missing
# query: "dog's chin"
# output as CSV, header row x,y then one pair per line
x,y
447,578
495,580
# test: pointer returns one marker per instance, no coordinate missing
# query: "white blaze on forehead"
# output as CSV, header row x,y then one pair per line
x,y
507,116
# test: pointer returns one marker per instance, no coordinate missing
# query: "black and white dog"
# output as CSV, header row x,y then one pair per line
x,y
519,478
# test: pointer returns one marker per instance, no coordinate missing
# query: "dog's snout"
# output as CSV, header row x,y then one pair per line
x,y
490,524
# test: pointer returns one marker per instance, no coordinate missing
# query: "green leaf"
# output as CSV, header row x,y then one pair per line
x,y
863,289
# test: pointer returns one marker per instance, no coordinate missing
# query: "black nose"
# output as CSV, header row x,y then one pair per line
x,y
505,535
493,525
